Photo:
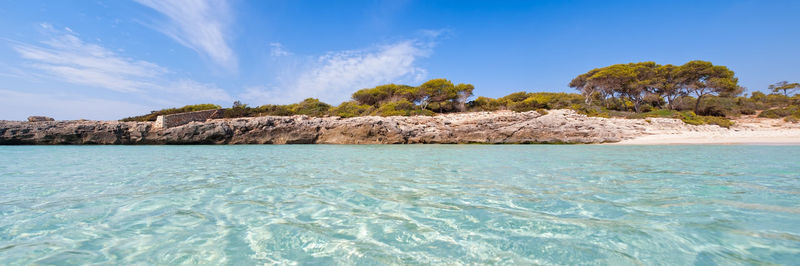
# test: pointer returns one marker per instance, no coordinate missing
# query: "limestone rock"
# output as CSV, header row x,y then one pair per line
x,y
558,126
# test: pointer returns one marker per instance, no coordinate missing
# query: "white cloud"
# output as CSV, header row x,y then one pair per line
x,y
67,58
201,25
276,49
334,76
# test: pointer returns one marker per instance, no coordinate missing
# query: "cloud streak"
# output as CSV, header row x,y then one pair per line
x,y
70,59
201,25
67,58
334,76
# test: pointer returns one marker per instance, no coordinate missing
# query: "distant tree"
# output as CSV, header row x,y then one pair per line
x,y
238,104
375,95
784,86
581,83
463,92
667,84
436,92
621,79
702,78
647,78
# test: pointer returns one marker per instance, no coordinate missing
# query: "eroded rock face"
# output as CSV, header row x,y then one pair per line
x,y
559,126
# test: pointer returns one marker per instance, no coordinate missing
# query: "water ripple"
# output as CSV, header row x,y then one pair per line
x,y
436,204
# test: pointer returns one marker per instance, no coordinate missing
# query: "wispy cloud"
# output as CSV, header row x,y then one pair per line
x,y
201,25
334,76
276,49
66,58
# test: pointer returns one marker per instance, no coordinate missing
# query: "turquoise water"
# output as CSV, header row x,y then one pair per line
x,y
413,204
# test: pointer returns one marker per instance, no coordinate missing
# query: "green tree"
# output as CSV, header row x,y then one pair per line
x,y
784,86
702,78
618,79
437,92
667,84
581,83
463,92
379,94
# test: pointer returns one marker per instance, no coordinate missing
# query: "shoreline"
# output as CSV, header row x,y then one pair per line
x,y
500,127
747,130
690,139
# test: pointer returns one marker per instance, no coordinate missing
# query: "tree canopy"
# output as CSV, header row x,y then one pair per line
x,y
439,95
784,86
697,92
635,81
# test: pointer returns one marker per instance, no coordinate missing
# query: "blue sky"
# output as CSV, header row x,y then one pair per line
x,y
112,59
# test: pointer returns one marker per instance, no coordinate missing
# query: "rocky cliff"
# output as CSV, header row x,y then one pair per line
x,y
558,126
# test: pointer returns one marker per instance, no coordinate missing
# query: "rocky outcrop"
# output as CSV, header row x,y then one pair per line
x,y
558,126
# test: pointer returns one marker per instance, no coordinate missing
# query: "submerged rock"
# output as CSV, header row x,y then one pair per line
x,y
558,126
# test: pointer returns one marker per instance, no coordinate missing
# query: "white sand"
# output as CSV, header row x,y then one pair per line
x,y
748,130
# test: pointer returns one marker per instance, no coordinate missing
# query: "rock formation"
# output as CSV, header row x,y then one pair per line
x,y
558,126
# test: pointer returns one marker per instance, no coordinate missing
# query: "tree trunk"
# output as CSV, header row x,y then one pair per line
x,y
636,104
669,103
697,103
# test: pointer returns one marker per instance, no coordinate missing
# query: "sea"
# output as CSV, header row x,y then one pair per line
x,y
400,204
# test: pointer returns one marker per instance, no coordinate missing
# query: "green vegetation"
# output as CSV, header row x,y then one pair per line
x,y
641,85
697,92
785,87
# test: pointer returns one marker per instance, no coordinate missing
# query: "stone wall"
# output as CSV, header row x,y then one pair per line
x,y
174,120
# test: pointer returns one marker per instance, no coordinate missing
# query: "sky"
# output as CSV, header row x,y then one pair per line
x,y
107,60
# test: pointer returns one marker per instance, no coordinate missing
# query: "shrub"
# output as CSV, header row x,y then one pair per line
x,y
484,104
400,108
779,112
590,110
528,104
524,101
550,100
384,93
350,109
270,109
514,97
237,111
310,107
719,121
693,119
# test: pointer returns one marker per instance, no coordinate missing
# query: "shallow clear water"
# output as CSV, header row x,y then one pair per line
x,y
413,204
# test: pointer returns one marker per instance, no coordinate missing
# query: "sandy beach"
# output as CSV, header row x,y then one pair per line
x,y
747,130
